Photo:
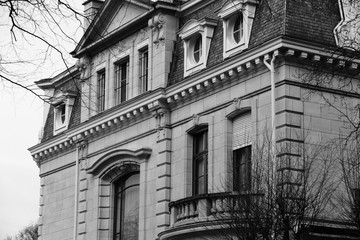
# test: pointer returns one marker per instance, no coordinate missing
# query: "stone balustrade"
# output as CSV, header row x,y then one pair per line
x,y
206,207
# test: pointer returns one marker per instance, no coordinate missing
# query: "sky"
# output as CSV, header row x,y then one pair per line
x,y
21,120
21,113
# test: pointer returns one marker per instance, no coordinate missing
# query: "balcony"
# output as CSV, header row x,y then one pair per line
x,y
204,212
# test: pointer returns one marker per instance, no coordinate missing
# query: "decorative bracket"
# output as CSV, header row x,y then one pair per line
x,y
83,65
156,23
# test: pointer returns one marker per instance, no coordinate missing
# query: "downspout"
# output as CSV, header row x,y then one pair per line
x,y
76,203
271,67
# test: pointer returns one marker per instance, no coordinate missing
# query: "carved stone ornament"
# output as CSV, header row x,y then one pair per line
x,y
162,118
347,30
237,102
83,65
196,119
156,23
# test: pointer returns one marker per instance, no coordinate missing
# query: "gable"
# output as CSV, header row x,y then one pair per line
x,y
114,15
125,13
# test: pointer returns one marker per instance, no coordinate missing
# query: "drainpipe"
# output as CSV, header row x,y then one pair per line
x,y
76,203
271,67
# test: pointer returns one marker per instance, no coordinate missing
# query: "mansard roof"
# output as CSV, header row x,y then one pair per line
x,y
311,21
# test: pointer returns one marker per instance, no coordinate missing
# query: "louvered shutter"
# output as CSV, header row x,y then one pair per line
x,y
242,131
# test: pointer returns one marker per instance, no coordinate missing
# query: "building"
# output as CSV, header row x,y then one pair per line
x,y
166,96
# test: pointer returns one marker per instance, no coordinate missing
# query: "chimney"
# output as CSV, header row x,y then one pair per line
x,y
91,7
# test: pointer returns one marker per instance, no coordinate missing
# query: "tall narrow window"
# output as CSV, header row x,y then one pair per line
x,y
238,31
126,224
101,91
144,65
242,152
121,81
200,162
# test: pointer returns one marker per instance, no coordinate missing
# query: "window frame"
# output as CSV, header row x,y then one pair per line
x,y
230,11
62,102
241,150
144,69
199,156
121,83
239,31
60,112
190,32
120,196
242,169
196,51
101,90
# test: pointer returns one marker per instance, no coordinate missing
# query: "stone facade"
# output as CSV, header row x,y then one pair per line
x,y
152,132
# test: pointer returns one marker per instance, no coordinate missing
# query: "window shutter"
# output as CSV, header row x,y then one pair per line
x,y
242,131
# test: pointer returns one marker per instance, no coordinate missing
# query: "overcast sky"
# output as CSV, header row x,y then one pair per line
x,y
21,119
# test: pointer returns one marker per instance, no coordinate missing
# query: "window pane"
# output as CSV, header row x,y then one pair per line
x,y
130,209
242,169
101,91
198,49
121,81
62,113
200,142
200,163
238,29
127,208
144,70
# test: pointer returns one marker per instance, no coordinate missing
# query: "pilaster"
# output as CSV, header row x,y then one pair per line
x,y
163,164
82,146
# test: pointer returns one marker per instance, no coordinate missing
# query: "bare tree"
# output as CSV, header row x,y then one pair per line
x,y
341,72
348,199
281,205
36,36
27,233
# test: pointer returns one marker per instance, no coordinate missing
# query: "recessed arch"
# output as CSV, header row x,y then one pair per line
x,y
117,158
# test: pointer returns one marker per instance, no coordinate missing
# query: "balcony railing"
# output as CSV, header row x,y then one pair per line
x,y
208,206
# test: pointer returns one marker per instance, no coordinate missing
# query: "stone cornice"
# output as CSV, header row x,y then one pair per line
x,y
193,85
113,117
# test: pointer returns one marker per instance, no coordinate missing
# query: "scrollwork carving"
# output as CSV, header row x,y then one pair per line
x,y
83,65
156,23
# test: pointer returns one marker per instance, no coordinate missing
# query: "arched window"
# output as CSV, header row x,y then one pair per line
x,y
126,224
238,30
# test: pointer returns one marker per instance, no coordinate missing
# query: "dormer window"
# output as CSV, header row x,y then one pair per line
x,y
196,37
63,102
237,17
